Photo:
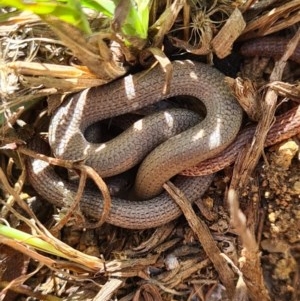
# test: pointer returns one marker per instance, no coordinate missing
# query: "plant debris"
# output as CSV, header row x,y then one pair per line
x,y
241,241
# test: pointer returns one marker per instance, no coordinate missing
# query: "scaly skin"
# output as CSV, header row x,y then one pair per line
x,y
286,126
127,214
158,210
198,143
204,140
269,47
161,209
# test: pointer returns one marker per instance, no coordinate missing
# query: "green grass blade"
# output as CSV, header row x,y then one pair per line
x,y
70,12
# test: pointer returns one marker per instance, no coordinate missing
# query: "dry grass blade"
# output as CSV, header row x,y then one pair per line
x,y
160,235
277,19
147,292
108,289
223,41
87,53
85,170
165,65
250,262
204,237
174,261
165,22
242,172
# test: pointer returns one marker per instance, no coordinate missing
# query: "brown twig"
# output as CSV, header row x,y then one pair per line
x,y
250,260
204,237
90,56
84,262
83,170
276,19
11,120
160,234
251,156
165,22
74,206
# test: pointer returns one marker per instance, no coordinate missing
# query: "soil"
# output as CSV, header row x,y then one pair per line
x,y
168,263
